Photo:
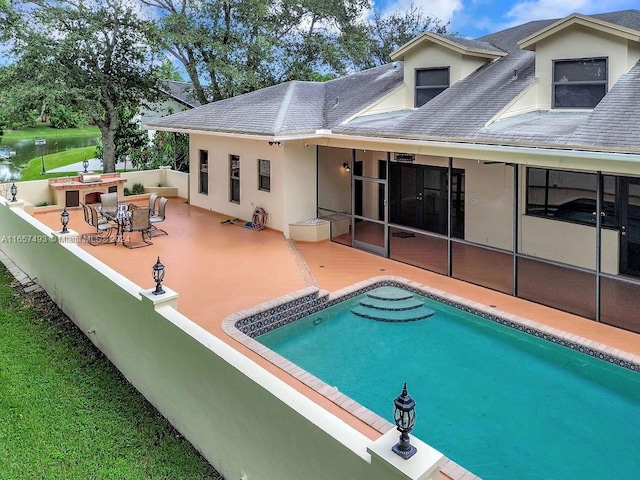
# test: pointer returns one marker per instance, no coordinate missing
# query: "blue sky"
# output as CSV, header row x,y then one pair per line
x,y
475,18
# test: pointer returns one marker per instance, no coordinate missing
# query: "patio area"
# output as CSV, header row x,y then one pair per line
x,y
220,268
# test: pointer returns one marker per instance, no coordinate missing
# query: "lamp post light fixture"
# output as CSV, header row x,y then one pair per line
x,y
404,414
85,164
346,166
64,219
14,191
158,276
42,142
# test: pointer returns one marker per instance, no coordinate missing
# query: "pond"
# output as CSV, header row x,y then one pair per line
x,y
26,149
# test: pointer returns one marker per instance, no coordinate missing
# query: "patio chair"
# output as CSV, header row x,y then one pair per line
x,y
86,213
159,217
103,228
109,202
152,204
138,222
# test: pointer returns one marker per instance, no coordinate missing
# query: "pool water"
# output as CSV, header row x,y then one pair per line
x,y
500,402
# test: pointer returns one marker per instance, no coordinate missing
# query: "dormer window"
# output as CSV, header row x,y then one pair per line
x,y
579,83
430,82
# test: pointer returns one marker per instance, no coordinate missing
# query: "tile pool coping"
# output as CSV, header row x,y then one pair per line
x,y
247,324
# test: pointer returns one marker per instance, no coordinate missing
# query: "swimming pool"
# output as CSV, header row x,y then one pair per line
x,y
503,403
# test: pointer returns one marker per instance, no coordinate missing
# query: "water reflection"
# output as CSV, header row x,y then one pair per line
x,y
26,149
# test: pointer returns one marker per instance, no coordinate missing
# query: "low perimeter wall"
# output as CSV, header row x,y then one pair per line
x,y
245,421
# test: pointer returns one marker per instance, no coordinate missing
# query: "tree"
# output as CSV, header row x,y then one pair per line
x,y
95,57
168,71
371,44
229,47
166,148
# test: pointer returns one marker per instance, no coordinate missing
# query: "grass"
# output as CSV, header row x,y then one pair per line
x,y
67,413
44,131
33,169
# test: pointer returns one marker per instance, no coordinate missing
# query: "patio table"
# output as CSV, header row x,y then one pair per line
x,y
121,216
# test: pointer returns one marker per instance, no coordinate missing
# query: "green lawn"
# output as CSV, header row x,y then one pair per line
x,y
44,131
33,169
67,413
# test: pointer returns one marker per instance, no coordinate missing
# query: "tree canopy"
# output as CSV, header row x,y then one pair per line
x,y
99,61
229,47
94,57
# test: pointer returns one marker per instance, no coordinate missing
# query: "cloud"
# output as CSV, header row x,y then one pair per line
x,y
441,9
524,12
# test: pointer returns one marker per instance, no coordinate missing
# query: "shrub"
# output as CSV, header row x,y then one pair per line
x,y
127,191
138,189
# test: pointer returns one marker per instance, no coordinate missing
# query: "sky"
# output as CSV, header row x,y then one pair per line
x,y
476,18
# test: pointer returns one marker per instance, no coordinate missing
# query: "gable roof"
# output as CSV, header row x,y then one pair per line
x,y
474,48
577,19
182,92
464,112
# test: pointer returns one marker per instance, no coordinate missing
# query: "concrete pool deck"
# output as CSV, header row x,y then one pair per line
x,y
219,269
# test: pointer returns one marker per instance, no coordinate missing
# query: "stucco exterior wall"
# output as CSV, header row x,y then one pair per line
x,y
218,198
149,178
393,101
335,194
36,192
488,214
245,421
430,55
299,184
579,42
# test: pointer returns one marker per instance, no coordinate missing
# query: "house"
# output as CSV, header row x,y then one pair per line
x,y
510,161
175,97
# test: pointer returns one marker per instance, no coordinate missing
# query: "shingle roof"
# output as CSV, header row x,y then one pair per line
x,y
292,107
463,112
605,125
346,96
262,112
465,107
182,92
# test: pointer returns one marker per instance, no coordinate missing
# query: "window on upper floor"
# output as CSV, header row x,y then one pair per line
x,y
579,83
430,82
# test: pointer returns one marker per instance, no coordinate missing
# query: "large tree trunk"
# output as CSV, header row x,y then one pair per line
x,y
108,127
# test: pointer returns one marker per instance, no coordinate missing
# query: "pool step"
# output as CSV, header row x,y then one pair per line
x,y
408,304
393,315
392,304
392,294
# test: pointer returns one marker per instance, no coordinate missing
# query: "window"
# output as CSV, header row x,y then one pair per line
x,y
264,175
430,82
580,83
570,196
203,186
234,186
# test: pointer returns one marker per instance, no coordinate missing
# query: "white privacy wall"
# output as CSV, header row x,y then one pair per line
x,y
245,421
